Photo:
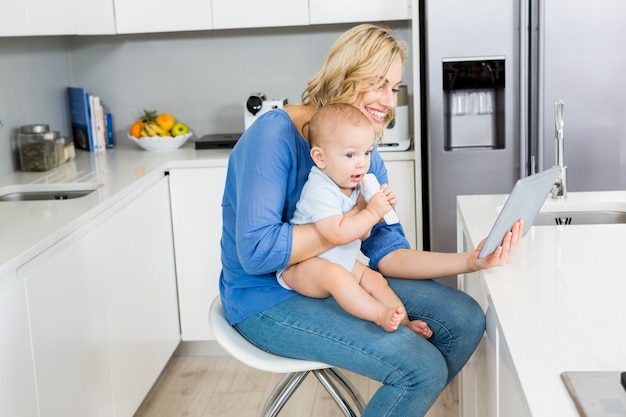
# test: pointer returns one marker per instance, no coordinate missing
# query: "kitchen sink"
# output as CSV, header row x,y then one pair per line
x,y
41,192
579,217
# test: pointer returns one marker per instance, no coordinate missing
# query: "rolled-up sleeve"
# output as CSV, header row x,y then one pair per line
x,y
263,184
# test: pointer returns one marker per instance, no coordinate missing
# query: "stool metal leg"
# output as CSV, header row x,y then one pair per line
x,y
326,379
347,386
282,392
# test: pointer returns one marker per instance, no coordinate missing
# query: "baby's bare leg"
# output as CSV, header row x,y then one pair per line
x,y
319,278
375,284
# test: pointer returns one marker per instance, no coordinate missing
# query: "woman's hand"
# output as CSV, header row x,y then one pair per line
x,y
504,254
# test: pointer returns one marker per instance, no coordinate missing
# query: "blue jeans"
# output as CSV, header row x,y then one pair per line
x,y
413,370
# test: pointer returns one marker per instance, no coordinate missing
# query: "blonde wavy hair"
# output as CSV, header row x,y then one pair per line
x,y
364,52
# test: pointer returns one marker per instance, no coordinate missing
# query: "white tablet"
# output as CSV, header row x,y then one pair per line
x,y
524,202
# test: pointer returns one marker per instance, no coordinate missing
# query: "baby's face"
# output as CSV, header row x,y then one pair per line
x,y
347,155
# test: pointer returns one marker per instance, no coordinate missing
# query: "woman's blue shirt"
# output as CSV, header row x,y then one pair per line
x,y
267,169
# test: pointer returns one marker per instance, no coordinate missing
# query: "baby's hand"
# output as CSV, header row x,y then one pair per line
x,y
388,192
379,204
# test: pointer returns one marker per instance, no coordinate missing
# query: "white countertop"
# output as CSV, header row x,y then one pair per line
x,y
29,227
561,304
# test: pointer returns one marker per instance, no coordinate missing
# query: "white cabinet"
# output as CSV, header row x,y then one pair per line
x,y
103,309
67,318
18,395
13,18
333,11
94,17
228,14
142,16
196,199
58,17
139,281
488,383
401,174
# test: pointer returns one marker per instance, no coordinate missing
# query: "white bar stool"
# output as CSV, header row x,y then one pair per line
x,y
295,370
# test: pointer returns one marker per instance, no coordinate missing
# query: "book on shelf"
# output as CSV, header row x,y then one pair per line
x,y
92,125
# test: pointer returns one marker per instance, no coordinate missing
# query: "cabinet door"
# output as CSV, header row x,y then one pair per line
x,y
17,379
59,17
94,17
68,329
14,18
333,11
228,14
145,16
402,179
139,280
103,310
196,197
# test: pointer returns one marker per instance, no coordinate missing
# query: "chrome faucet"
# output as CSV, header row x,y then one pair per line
x,y
559,188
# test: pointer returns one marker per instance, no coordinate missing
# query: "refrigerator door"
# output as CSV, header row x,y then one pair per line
x,y
579,51
472,106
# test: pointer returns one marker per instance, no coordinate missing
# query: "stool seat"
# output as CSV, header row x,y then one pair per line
x,y
295,369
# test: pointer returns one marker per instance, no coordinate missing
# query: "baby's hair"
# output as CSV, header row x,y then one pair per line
x,y
325,120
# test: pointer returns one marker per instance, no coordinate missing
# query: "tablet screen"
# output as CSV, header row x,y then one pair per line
x,y
524,202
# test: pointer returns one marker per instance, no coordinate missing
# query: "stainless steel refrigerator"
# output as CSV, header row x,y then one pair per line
x,y
492,72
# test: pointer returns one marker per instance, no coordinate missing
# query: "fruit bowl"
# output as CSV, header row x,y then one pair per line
x,y
161,143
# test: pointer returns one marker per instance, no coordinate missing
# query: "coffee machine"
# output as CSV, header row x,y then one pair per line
x,y
396,136
258,104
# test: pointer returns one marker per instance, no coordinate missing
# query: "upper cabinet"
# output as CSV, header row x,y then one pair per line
x,y
107,17
13,18
93,17
345,11
58,17
230,14
144,16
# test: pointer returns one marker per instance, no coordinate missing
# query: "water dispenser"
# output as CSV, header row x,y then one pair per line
x,y
473,103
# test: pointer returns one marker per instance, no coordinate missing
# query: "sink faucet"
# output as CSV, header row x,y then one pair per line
x,y
559,188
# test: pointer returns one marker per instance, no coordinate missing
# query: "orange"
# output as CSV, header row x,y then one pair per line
x,y
135,129
165,120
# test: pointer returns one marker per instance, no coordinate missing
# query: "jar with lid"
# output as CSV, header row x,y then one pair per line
x,y
59,146
37,147
70,150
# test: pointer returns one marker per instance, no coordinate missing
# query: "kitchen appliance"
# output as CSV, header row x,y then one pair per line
x,y
396,136
493,71
257,104
217,140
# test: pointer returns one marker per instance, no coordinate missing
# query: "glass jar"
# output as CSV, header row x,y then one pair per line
x,y
59,146
37,148
70,150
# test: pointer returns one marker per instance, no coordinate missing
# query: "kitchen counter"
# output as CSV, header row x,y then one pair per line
x,y
29,227
560,306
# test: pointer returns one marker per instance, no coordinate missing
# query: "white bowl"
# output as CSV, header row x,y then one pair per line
x,y
161,143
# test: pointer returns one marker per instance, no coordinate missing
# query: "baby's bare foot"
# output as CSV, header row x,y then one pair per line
x,y
391,318
420,328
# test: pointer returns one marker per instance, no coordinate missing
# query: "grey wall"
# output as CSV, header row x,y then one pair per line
x,y
202,78
33,75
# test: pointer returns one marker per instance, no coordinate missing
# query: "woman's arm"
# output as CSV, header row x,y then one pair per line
x,y
413,264
307,242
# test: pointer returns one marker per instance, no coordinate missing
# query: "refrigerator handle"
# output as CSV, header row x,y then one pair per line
x,y
539,4
526,160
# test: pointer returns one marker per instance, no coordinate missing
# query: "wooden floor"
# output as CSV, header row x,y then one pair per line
x,y
206,386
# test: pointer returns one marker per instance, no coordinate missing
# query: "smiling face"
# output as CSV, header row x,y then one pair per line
x,y
378,100
362,68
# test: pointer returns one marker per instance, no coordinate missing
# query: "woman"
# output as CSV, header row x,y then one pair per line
x,y
266,172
